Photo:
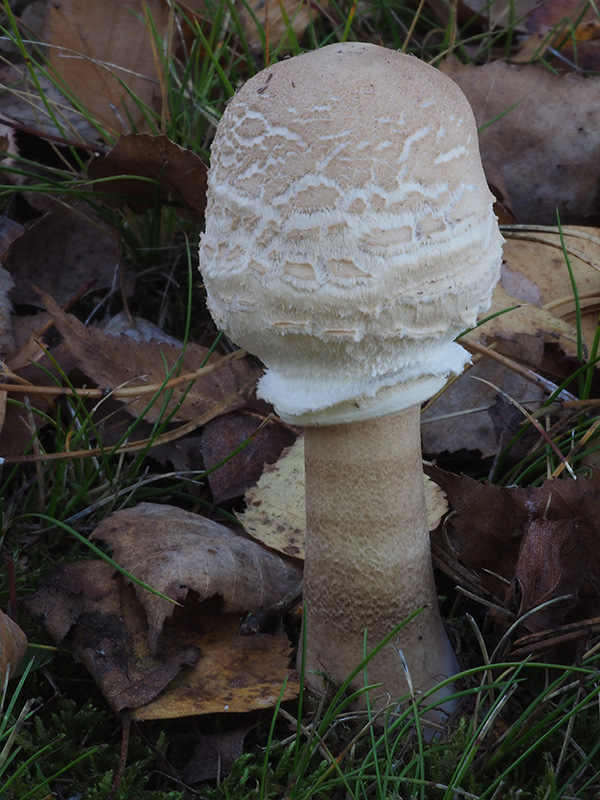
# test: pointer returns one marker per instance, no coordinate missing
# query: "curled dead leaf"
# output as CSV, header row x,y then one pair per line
x,y
113,361
545,538
13,644
177,552
201,666
167,171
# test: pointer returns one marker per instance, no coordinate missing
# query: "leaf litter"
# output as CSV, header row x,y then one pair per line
x,y
156,659
539,137
224,435
13,645
63,249
113,361
534,325
172,174
525,546
95,68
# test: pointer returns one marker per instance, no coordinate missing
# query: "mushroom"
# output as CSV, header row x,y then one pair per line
x,y
349,238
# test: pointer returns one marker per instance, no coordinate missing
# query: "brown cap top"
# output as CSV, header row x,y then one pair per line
x,y
349,230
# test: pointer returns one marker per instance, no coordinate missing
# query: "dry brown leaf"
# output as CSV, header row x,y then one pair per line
x,y
536,272
96,45
177,552
174,173
545,145
275,514
13,644
61,252
113,361
526,318
485,529
535,284
276,17
202,665
459,418
549,567
566,33
221,436
545,537
437,503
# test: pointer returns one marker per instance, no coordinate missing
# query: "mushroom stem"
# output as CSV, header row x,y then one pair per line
x,y
368,562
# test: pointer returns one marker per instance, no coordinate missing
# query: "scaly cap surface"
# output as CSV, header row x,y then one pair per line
x,y
349,231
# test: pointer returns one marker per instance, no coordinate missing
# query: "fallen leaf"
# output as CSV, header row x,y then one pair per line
x,y
565,33
459,419
61,252
95,48
536,272
112,361
202,666
177,552
545,537
284,20
275,513
485,529
97,617
536,286
13,644
437,503
526,319
170,172
542,141
223,435
235,674
549,566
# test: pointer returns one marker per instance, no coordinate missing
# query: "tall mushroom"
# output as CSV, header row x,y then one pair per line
x,y
349,238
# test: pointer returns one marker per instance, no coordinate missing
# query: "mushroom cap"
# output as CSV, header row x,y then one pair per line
x,y
349,231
